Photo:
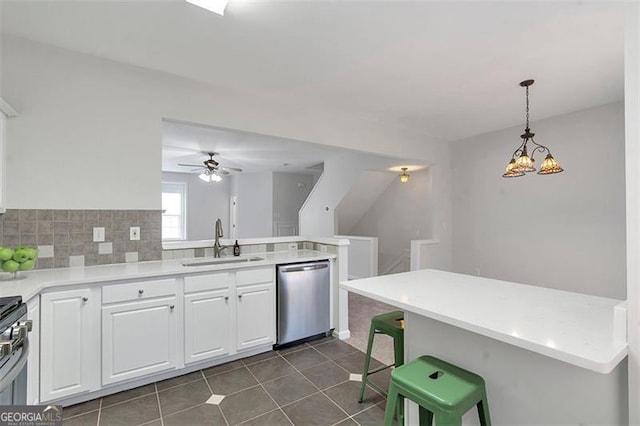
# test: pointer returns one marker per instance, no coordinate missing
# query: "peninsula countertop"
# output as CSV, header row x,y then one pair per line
x,y
30,283
571,327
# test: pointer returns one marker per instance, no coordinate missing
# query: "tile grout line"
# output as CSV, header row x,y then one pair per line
x,y
212,393
99,412
267,392
325,395
155,385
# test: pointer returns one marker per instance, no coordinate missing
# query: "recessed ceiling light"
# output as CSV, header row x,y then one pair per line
x,y
216,6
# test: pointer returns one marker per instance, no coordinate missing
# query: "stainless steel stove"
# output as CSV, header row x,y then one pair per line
x,y
14,350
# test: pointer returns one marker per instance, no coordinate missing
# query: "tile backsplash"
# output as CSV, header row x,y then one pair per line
x,y
65,237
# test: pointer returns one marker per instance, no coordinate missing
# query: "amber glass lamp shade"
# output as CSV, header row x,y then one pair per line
x,y
549,166
511,170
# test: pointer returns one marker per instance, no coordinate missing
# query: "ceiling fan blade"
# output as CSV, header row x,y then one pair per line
x,y
235,169
223,172
193,170
190,165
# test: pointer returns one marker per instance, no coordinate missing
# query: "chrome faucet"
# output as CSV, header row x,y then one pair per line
x,y
217,248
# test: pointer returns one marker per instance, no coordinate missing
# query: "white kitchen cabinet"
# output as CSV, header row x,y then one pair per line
x,y
207,318
33,362
70,345
255,315
139,338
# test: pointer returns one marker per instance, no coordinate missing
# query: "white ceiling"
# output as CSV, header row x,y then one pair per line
x,y
446,69
184,143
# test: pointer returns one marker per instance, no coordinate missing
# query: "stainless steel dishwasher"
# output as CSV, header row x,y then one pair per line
x,y
302,300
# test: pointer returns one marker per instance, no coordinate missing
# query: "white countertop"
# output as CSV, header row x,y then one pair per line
x,y
177,245
571,327
32,282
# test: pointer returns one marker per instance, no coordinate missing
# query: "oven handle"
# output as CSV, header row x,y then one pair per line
x,y
17,367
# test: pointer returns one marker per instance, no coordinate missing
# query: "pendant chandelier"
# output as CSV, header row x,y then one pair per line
x,y
520,162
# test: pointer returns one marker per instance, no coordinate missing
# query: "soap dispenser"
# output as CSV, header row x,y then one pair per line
x,y
236,249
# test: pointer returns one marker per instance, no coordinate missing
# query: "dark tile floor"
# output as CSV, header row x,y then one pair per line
x,y
308,384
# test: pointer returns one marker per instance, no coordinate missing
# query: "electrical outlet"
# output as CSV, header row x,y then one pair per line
x,y
98,234
322,248
293,246
134,233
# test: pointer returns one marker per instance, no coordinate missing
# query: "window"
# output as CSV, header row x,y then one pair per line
x,y
174,214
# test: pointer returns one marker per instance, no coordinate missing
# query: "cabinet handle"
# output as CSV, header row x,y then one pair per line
x,y
239,296
140,291
172,306
85,299
226,298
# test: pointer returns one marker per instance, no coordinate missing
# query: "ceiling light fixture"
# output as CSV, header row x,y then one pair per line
x,y
520,162
404,176
215,6
210,176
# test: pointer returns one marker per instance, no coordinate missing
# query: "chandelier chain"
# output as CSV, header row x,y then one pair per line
x,y
527,88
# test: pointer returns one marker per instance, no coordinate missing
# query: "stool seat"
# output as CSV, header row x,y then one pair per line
x,y
439,388
391,323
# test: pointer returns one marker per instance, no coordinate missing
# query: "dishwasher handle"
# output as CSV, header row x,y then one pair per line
x,y
299,268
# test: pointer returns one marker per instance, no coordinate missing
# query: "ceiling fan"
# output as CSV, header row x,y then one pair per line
x,y
212,171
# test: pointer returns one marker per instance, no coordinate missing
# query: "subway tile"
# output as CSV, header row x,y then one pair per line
x,y
45,227
46,263
61,262
30,240
118,215
60,227
61,238
131,256
11,215
76,226
118,258
131,215
199,252
91,215
28,215
62,250
91,248
76,216
77,249
76,261
44,215
105,248
11,241
105,259
30,228
91,259
61,215
105,215
45,239
11,228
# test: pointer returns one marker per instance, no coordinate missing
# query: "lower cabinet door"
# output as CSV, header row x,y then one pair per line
x,y
67,345
138,338
206,325
255,316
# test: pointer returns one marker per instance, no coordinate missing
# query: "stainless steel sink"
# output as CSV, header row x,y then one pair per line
x,y
220,261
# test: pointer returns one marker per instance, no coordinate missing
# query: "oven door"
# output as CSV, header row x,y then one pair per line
x,y
13,373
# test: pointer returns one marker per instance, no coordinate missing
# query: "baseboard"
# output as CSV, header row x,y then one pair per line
x,y
342,335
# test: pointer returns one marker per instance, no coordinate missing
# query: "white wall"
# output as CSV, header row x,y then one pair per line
x,y
290,190
402,213
254,196
360,197
206,202
564,231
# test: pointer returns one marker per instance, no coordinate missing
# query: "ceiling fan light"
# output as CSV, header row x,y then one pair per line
x,y
204,176
404,176
215,177
549,166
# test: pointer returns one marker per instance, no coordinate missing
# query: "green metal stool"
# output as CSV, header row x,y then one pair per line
x,y
391,324
440,389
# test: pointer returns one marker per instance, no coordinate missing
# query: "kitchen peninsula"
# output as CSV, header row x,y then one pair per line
x,y
548,356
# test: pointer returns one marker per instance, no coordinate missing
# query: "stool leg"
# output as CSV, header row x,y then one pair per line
x,y
398,356
483,412
367,361
390,408
426,417
447,419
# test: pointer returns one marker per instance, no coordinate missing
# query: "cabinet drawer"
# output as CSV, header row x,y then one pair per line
x,y
138,291
206,282
254,276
